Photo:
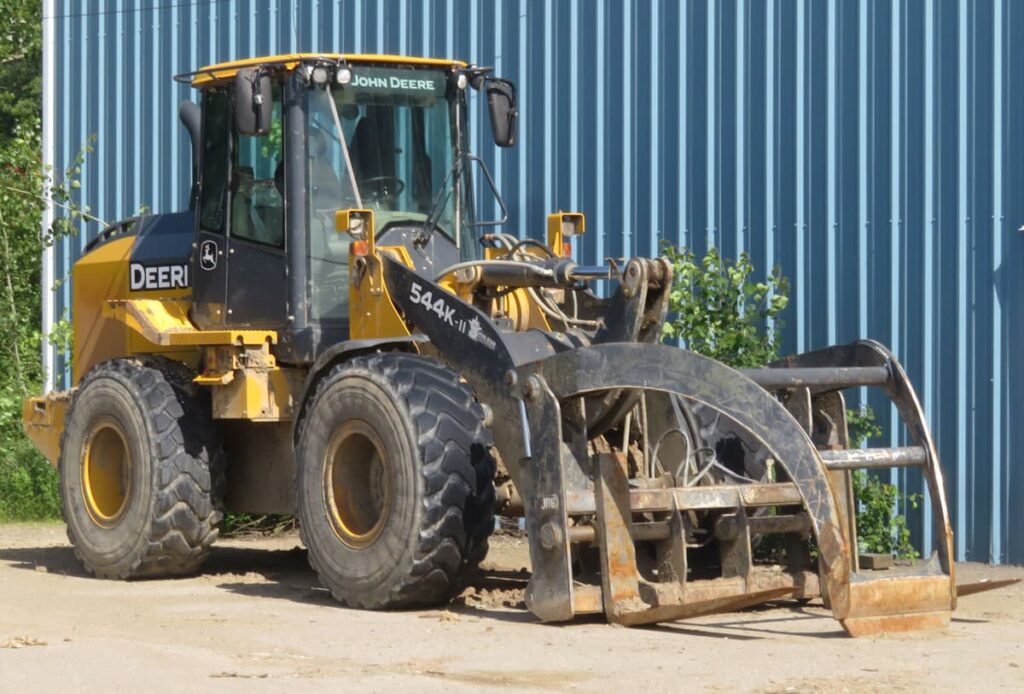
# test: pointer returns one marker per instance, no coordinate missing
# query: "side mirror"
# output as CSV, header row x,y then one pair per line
x,y
501,99
252,102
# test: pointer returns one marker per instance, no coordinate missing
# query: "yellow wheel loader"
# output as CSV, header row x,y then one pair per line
x,y
331,331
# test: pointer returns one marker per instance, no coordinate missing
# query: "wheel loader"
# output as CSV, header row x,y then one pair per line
x,y
331,331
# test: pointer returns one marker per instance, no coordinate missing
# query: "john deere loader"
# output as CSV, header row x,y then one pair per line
x,y
331,331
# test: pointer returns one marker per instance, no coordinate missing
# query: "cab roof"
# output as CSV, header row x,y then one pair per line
x,y
221,72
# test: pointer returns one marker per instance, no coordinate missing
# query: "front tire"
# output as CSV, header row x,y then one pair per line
x,y
140,471
395,482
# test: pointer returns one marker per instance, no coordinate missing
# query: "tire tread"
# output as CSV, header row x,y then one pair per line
x,y
188,469
458,487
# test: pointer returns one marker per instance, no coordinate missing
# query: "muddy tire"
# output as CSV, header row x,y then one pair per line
x,y
141,471
395,482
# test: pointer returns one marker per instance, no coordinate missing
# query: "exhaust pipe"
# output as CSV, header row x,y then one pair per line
x,y
191,116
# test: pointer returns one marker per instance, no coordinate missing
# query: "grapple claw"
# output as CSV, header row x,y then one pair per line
x,y
811,495
633,511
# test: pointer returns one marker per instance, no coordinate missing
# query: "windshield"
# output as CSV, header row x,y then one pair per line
x,y
399,131
400,144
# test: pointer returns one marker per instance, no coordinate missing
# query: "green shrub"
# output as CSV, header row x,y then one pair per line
x,y
861,426
719,311
880,529
235,524
28,484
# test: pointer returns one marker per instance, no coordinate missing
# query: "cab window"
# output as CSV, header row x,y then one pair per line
x,y
257,184
215,160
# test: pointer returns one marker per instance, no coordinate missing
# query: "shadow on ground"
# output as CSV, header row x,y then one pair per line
x,y
496,594
54,560
768,620
270,563
490,593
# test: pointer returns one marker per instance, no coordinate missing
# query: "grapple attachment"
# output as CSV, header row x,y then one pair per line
x,y
700,535
634,504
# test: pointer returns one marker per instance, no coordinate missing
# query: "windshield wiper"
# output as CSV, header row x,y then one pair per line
x,y
438,203
344,148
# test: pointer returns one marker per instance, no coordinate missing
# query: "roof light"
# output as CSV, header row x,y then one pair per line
x,y
343,75
461,81
320,75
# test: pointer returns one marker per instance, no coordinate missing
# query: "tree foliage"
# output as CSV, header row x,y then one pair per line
x,y
27,482
20,66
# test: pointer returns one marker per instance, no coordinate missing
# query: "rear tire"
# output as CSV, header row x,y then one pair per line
x,y
395,482
141,471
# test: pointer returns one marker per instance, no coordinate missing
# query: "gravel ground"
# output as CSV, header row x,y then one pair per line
x,y
256,619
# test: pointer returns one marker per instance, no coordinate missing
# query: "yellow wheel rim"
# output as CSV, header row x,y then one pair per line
x,y
357,486
106,472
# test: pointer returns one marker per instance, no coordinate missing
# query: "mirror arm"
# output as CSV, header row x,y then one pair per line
x,y
494,189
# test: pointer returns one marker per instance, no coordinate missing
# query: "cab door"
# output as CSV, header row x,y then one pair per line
x,y
256,289
209,272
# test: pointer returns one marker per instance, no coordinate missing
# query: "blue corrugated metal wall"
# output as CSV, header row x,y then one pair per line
x,y
869,148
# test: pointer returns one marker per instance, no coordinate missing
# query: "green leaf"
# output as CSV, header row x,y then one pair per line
x,y
721,309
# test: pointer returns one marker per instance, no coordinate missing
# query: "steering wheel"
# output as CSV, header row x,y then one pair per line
x,y
382,188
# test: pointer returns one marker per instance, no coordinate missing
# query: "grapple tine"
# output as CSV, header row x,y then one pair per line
x,y
984,585
702,608
620,585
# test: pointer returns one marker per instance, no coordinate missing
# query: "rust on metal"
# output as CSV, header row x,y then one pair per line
x,y
587,600
666,613
694,498
894,623
619,581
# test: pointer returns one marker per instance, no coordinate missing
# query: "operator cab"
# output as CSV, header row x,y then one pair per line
x,y
281,144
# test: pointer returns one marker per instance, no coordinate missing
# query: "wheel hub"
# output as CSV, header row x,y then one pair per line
x,y
106,473
356,484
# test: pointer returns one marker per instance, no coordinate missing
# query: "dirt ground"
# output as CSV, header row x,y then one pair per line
x,y
256,619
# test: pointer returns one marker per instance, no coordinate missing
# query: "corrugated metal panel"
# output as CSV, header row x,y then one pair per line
x,y
866,147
